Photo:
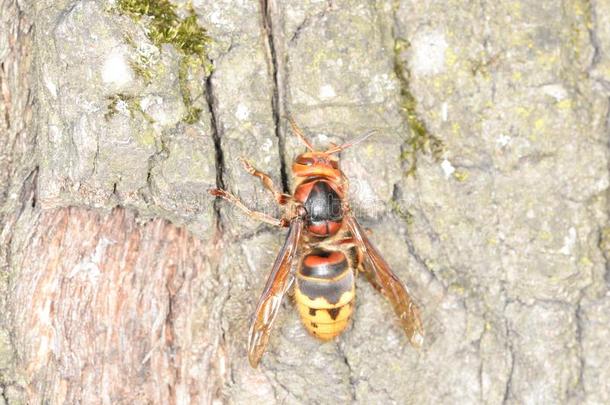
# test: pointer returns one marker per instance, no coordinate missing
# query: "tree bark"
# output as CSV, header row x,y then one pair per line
x,y
17,168
485,187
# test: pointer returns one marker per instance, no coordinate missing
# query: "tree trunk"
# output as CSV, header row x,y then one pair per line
x,y
485,187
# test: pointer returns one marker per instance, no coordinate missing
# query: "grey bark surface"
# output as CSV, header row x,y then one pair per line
x,y
504,240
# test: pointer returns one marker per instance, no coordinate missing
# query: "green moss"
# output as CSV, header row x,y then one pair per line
x,y
421,140
115,104
164,26
402,213
145,59
131,104
482,66
192,113
143,71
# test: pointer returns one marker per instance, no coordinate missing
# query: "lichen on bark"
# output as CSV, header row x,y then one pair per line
x,y
421,140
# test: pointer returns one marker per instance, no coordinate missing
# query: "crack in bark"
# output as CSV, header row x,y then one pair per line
x,y
96,157
3,393
152,161
219,155
351,379
6,95
593,37
308,21
596,44
285,388
218,305
28,191
267,7
411,247
422,262
169,332
511,370
508,343
580,386
114,188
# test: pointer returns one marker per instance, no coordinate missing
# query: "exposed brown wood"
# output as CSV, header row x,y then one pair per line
x,y
102,308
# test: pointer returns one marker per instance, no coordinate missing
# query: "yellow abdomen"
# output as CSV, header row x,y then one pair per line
x,y
324,293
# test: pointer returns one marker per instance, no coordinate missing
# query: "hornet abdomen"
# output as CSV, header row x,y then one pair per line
x,y
324,293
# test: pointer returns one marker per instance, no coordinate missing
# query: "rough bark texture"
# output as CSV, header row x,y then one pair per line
x,y
503,239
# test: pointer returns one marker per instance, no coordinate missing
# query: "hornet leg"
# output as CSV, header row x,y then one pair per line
x,y
260,216
280,197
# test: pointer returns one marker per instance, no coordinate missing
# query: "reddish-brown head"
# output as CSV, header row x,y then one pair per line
x,y
316,163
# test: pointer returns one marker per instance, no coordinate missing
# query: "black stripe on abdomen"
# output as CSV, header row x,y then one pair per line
x,y
323,264
330,290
